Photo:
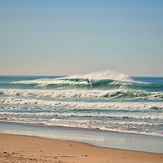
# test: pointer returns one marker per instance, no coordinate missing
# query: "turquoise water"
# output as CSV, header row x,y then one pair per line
x,y
101,100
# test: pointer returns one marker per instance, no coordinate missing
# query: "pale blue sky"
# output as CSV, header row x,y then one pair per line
x,y
63,37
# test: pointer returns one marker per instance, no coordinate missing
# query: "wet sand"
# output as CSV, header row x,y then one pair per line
x,y
117,140
17,149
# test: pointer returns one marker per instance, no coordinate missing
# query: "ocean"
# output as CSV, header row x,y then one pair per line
x,y
106,101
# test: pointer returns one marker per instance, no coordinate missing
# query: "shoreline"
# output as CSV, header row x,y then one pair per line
x,y
99,138
16,148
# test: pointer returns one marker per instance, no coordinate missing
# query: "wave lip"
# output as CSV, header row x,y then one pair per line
x,y
103,75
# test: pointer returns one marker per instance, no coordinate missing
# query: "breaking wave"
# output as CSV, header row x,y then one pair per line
x,y
95,80
85,94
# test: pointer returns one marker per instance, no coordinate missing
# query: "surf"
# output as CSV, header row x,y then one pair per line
x,y
101,80
94,79
107,100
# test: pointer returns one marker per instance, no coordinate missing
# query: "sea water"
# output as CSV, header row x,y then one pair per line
x,y
101,100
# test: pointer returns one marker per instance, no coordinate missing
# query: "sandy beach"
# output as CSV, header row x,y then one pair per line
x,y
16,149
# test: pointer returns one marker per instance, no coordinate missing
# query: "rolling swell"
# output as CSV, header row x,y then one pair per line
x,y
74,83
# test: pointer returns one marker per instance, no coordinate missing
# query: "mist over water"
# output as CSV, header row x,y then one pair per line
x,y
105,100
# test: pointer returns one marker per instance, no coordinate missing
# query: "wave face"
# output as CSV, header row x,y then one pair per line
x,y
92,80
106,100
105,80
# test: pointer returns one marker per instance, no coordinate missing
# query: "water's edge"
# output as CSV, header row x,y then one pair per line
x,y
95,137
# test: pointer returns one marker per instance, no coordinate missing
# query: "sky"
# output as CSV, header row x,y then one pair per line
x,y
65,37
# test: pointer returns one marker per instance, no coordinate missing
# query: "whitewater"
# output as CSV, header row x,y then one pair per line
x,y
104,100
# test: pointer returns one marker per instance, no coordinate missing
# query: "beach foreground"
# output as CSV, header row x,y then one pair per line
x,y
14,148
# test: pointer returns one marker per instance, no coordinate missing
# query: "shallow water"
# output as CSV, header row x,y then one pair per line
x,y
94,137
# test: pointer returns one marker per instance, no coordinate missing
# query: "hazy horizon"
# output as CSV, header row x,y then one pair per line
x,y
65,75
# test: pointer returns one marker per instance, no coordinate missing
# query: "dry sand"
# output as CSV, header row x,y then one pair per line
x,y
25,149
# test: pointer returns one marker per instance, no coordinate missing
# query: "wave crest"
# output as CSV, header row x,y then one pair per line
x,y
103,75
